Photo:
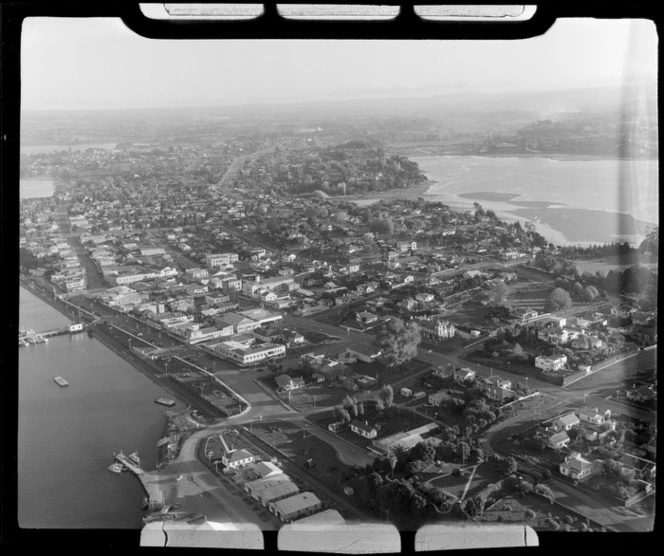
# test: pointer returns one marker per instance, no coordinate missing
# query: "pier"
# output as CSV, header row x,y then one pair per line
x,y
31,337
149,481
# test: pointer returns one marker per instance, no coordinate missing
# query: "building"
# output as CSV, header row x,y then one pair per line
x,y
276,284
365,317
437,398
151,251
557,440
551,362
234,458
406,392
499,389
577,467
363,428
567,421
256,488
525,315
196,273
464,375
266,469
222,259
298,506
245,353
593,415
284,382
404,439
272,494
436,329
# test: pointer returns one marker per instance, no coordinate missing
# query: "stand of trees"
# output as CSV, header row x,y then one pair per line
x,y
398,341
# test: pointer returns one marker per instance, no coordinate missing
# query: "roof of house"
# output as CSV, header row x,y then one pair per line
x,y
568,419
267,468
296,503
279,490
366,427
266,482
238,455
558,437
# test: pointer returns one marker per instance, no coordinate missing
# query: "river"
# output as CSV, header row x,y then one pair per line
x,y
573,200
67,436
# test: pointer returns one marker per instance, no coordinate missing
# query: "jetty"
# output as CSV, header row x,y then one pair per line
x,y
149,481
26,337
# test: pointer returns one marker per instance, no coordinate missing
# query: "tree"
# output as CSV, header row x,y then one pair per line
x,y
500,291
360,409
463,449
586,295
382,226
474,506
423,451
380,406
557,300
398,341
345,416
387,395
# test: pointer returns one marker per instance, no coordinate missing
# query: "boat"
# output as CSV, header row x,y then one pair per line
x,y
60,381
117,468
134,458
165,401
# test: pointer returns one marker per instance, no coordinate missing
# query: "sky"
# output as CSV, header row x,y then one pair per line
x,y
95,63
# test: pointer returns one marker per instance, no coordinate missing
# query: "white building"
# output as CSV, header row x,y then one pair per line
x,y
550,362
221,259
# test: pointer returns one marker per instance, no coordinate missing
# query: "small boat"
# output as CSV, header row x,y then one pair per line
x,y
165,401
60,381
134,458
117,468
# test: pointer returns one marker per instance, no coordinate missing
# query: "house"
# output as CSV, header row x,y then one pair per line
x,y
643,394
550,362
424,297
437,398
284,382
577,467
464,375
499,389
363,428
365,317
266,469
593,415
234,458
273,491
557,440
358,352
406,392
405,440
436,329
335,427
301,505
567,421
525,315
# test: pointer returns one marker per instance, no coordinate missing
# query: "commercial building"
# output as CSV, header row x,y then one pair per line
x,y
221,259
276,284
294,507
151,251
246,354
404,439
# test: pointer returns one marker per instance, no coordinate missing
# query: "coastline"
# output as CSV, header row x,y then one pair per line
x,y
390,194
551,156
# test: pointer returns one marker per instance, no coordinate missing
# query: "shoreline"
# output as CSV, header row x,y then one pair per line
x,y
389,194
556,157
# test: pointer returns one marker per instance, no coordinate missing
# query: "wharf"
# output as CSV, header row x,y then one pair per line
x,y
149,480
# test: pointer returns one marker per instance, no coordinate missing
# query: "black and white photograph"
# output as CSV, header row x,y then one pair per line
x,y
323,282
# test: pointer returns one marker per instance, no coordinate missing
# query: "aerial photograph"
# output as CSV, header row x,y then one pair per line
x,y
325,282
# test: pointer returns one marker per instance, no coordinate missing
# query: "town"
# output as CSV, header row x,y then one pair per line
x,y
349,350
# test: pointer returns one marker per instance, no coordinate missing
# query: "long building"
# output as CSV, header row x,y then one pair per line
x,y
220,259
278,283
294,507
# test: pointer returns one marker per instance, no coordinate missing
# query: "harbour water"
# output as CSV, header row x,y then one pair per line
x,y
572,200
36,187
67,436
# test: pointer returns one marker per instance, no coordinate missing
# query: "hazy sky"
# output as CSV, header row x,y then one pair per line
x,y
99,63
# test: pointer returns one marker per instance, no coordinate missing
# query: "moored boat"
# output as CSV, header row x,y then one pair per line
x,y
133,457
60,381
117,467
165,401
